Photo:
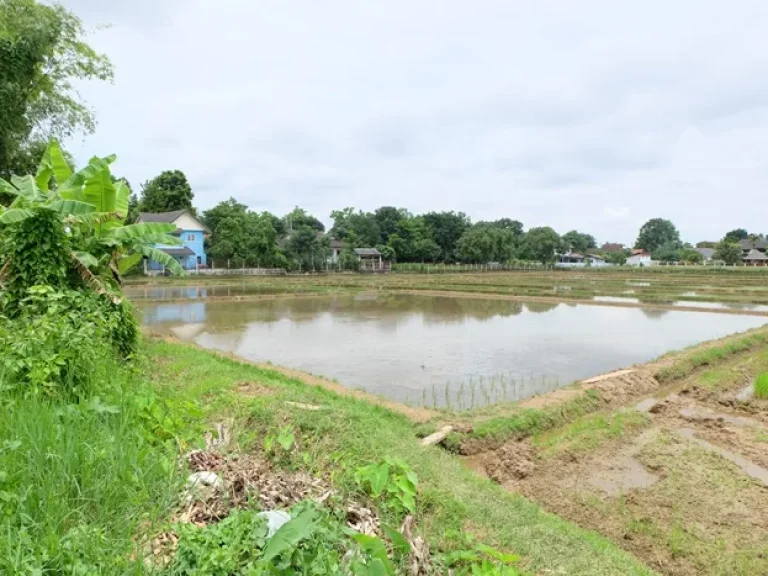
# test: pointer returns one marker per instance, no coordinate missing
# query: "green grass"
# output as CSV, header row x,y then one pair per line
x,y
588,432
761,386
78,482
349,433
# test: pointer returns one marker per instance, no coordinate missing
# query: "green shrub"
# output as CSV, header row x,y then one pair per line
x,y
761,386
64,341
80,482
314,541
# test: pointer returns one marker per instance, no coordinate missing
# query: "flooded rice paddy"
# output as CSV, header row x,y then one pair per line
x,y
432,350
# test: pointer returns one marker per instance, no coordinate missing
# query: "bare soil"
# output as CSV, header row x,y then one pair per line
x,y
686,494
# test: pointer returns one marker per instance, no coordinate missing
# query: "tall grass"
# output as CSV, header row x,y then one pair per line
x,y
761,386
79,482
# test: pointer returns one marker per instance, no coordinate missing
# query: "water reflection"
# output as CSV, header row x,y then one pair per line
x,y
441,350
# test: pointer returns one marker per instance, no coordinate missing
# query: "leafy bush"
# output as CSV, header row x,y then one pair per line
x,y
312,542
394,481
63,341
761,386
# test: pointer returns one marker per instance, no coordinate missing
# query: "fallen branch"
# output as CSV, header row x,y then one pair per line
x,y
437,437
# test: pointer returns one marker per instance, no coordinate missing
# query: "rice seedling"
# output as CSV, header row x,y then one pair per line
x,y
761,386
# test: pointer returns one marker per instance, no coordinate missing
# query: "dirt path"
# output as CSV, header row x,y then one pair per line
x,y
415,414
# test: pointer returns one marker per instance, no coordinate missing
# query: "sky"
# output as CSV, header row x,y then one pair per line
x,y
593,115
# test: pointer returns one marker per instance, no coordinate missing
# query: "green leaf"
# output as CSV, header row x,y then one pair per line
x,y
15,215
290,534
99,191
61,170
71,207
72,188
500,556
7,188
138,232
87,260
378,568
378,479
27,188
160,257
127,262
122,194
399,543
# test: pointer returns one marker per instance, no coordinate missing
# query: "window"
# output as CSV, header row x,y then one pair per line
x,y
190,237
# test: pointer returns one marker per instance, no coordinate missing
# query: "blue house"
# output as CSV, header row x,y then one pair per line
x,y
190,254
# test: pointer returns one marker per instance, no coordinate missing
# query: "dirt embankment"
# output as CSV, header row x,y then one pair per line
x,y
677,475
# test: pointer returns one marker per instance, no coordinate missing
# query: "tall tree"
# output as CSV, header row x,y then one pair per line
x,y
736,235
486,244
360,228
540,245
655,233
446,228
729,252
578,241
167,192
42,54
299,218
387,218
515,226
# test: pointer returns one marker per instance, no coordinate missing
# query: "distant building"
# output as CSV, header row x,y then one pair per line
x,y
190,254
612,247
639,258
336,247
754,251
707,254
755,258
371,260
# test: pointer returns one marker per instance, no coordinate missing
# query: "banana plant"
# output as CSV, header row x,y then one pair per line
x,y
94,209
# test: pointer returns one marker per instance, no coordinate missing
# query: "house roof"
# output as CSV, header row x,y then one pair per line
x,y
178,252
640,255
748,244
168,217
367,252
612,247
595,257
755,255
706,253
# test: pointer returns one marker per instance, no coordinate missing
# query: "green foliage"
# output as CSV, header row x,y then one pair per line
x,y
360,229
42,54
313,542
761,386
655,233
39,252
734,236
729,252
78,482
578,241
446,228
387,218
478,559
690,256
486,244
280,444
391,482
167,192
670,251
299,218
540,245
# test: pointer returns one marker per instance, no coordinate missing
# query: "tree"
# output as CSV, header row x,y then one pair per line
x,y
42,54
540,245
690,256
486,244
412,241
445,229
514,226
668,252
387,218
579,242
706,244
655,233
167,192
299,218
358,228
618,258
735,235
729,252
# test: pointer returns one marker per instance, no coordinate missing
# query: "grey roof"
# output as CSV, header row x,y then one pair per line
x,y
167,217
758,243
755,255
367,252
178,252
706,253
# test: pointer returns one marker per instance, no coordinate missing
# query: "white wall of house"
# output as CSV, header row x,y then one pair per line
x,y
639,260
187,222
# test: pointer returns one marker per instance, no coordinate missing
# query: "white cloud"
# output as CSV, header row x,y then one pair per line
x,y
541,110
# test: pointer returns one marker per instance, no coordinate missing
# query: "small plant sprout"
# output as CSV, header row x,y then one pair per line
x,y
761,386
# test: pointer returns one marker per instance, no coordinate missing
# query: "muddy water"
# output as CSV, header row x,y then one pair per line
x,y
437,350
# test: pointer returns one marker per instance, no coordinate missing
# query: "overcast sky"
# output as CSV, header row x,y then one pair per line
x,y
595,115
